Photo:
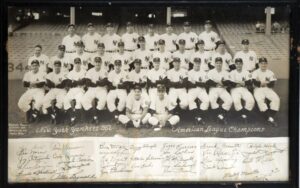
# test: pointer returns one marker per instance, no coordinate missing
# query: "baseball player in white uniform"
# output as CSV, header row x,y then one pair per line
x,y
241,83
170,39
94,99
91,39
125,57
155,77
264,81
183,55
130,38
32,100
138,76
75,86
136,110
70,40
177,81
162,110
42,58
118,89
209,37
61,56
110,39
197,79
249,57
164,56
84,57
218,81
151,38
53,100
143,54
189,37
221,52
105,57
205,56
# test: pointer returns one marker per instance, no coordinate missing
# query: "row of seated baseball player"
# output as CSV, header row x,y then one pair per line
x,y
64,95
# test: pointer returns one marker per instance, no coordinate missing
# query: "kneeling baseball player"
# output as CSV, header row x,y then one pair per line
x,y
264,81
136,109
162,111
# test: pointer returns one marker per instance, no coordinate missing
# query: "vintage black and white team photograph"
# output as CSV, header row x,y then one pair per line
x,y
148,71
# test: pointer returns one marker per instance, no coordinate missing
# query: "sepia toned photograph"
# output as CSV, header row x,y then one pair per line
x,y
148,93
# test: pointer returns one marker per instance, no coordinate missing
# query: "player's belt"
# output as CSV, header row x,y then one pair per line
x,y
110,51
144,67
70,51
152,50
90,51
129,50
209,49
189,48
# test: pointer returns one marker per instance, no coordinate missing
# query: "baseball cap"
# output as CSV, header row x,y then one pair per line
x,y
156,59
197,60
70,25
161,41
176,59
200,42
101,45
35,61
207,22
139,61
121,43
141,39
151,26
181,41
98,59
77,60
137,86
262,60
118,62
245,41
238,60
90,25
218,43
109,24
38,46
161,88
79,44
219,59
57,62
129,24
187,24
61,47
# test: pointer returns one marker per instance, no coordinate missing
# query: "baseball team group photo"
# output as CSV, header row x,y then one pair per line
x,y
148,72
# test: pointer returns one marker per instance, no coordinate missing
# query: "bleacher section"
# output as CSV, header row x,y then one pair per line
x,y
274,47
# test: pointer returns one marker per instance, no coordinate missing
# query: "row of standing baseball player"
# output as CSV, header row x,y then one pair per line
x,y
96,88
186,56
